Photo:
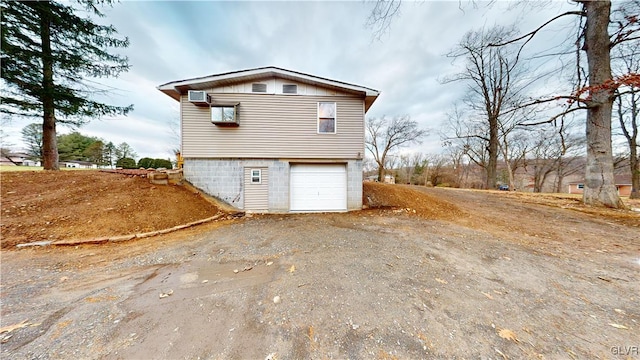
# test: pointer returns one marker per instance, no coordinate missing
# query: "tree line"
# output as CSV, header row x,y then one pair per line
x,y
78,147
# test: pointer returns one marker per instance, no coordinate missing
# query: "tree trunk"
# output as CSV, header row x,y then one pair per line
x,y
380,172
635,171
492,164
559,183
507,162
599,187
49,141
559,175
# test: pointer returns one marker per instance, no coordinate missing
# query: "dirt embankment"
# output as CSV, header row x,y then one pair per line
x,y
410,200
43,205
64,205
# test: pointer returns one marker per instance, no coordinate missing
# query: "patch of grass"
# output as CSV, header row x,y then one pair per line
x,y
19,168
32,168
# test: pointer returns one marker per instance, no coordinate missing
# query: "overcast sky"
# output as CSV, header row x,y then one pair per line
x,y
179,40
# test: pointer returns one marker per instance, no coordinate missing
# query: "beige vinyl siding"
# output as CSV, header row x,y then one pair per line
x,y
274,126
256,196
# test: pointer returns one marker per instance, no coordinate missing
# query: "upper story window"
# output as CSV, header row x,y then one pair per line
x,y
327,118
226,114
289,89
259,88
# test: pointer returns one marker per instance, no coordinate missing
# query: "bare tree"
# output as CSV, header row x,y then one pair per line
x,y
408,164
5,145
457,158
384,136
554,153
597,35
627,106
494,77
601,31
414,160
468,138
404,170
600,186
32,137
514,146
438,169
124,150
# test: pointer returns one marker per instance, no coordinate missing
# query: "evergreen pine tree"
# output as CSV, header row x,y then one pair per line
x,y
49,55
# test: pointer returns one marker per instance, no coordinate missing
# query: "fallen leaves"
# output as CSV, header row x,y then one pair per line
x,y
10,328
508,335
292,269
618,326
442,281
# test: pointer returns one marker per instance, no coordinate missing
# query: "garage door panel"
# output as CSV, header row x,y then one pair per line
x,y
318,188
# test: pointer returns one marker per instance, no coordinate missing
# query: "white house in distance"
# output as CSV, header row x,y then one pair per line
x,y
274,140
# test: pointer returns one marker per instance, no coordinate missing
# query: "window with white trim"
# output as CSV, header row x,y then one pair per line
x,y
580,186
327,118
256,176
224,114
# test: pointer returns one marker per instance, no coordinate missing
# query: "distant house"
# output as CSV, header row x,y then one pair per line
x,y
78,164
388,179
274,140
17,159
623,184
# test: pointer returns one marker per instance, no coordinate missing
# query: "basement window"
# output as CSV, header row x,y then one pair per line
x,y
256,176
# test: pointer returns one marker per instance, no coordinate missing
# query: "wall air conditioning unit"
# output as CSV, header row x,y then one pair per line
x,y
200,98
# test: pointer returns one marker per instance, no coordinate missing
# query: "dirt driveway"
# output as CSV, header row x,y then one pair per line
x,y
506,279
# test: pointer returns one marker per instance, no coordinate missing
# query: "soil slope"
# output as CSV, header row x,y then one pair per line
x,y
43,205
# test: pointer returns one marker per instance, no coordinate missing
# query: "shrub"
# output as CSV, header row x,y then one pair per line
x,y
126,163
145,163
162,163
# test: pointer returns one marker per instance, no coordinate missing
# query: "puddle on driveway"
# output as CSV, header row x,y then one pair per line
x,y
201,279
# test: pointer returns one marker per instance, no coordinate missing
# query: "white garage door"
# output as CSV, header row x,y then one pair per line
x,y
318,187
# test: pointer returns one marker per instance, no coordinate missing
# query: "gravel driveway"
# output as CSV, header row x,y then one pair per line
x,y
372,284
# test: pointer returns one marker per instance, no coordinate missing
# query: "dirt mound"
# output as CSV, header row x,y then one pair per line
x,y
377,195
44,205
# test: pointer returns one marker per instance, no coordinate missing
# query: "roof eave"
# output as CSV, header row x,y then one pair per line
x,y
369,99
170,91
175,88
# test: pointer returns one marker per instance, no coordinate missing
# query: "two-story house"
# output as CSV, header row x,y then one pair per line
x,y
274,140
